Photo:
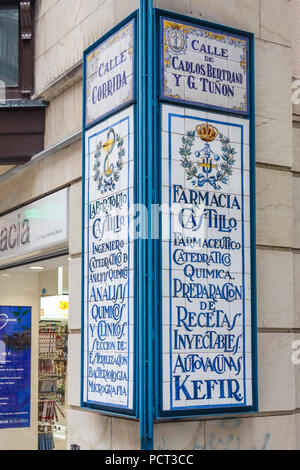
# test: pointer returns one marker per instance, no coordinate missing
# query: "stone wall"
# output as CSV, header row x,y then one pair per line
x,y
63,30
296,193
277,234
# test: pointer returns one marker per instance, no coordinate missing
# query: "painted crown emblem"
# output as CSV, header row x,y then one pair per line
x,y
203,165
207,133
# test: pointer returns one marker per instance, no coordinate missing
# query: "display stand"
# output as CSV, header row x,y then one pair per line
x,y
52,379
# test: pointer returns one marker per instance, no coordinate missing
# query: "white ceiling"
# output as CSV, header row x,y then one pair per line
x,y
47,264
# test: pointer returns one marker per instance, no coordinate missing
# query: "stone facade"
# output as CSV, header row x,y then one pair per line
x,y
63,30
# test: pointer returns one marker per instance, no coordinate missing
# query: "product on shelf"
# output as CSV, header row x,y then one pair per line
x,y
52,377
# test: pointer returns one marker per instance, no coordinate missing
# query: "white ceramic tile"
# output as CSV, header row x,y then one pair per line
x,y
249,392
165,283
176,123
168,110
166,395
248,365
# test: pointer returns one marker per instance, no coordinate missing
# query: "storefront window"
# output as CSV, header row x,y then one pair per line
x,y
43,286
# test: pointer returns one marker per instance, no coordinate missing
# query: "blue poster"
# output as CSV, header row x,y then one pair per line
x,y
15,367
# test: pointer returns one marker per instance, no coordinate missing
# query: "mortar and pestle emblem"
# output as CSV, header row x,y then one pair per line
x,y
109,147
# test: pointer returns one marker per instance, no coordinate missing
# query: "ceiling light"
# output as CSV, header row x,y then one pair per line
x,y
37,268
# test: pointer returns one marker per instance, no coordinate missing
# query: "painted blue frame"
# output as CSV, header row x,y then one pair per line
x,y
106,410
175,414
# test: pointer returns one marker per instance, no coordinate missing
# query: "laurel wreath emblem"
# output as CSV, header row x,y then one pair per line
x,y
223,170
106,184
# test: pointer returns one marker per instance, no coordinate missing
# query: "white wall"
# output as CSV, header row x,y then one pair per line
x,y
296,38
49,281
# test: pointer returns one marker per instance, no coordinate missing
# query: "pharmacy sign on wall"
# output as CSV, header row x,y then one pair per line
x,y
206,309
207,162
108,374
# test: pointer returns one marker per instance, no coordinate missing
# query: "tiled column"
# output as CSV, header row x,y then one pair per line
x,y
277,253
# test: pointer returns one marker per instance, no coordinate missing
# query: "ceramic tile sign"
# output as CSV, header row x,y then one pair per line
x,y
206,313
203,66
110,74
108,264
15,367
